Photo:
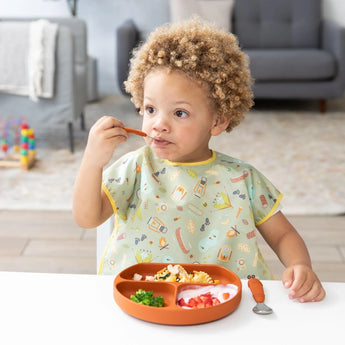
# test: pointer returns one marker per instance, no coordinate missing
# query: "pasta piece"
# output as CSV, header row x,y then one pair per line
x,y
202,277
177,273
182,275
162,274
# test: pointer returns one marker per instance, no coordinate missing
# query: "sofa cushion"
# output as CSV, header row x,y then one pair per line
x,y
218,12
277,23
291,64
181,10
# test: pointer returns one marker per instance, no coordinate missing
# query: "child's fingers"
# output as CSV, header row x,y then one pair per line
x,y
115,132
315,294
307,287
107,122
299,286
320,296
303,284
288,277
108,127
295,280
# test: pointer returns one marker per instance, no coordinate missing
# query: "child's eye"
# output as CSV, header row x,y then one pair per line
x,y
150,110
181,113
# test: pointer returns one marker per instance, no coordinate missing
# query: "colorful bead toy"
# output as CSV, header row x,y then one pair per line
x,y
22,152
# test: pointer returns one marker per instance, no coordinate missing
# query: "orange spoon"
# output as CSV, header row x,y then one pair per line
x,y
257,290
137,132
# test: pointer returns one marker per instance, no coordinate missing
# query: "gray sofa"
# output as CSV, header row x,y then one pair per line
x,y
294,53
70,95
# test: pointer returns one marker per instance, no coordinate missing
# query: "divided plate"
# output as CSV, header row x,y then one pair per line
x,y
171,313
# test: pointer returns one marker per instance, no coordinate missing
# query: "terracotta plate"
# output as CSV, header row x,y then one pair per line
x,y
171,313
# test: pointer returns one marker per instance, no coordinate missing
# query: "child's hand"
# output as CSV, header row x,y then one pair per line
x,y
303,284
105,135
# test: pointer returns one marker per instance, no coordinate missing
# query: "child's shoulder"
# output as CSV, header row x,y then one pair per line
x,y
235,167
239,171
232,162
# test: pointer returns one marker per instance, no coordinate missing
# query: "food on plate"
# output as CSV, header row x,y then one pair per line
x,y
137,276
201,301
147,298
176,273
205,296
172,273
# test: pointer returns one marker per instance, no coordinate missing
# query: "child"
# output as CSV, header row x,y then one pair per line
x,y
176,200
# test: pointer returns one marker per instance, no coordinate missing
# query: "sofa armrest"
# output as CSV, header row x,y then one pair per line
x,y
333,41
64,94
78,30
127,37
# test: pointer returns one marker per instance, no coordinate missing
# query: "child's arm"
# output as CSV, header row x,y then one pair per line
x,y
91,206
293,253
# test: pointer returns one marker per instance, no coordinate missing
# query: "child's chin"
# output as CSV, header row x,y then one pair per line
x,y
163,155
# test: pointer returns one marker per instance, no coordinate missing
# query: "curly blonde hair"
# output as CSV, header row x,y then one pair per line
x,y
207,55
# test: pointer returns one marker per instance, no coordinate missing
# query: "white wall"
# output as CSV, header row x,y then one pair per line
x,y
103,16
25,8
335,10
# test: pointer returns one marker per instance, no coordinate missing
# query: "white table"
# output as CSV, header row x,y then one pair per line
x,y
38,308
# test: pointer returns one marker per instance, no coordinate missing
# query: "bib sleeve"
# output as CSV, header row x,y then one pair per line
x,y
265,197
119,182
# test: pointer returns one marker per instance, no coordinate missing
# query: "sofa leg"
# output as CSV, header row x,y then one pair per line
x,y
82,121
71,137
322,106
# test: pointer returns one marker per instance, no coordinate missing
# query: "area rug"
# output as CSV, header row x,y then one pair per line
x,y
300,150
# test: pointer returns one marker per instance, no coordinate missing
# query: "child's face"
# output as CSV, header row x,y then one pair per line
x,y
177,113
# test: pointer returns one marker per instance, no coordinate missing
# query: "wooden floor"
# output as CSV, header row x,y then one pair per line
x,y
49,241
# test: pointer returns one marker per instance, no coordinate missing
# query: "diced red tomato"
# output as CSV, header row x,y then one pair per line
x,y
198,299
226,295
208,304
192,303
182,303
202,301
204,298
215,301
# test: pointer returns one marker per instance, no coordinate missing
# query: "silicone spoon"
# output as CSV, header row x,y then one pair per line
x,y
137,132
257,290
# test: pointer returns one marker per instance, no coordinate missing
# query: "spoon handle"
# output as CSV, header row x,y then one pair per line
x,y
135,131
257,289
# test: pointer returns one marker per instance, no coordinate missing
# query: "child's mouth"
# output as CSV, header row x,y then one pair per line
x,y
157,141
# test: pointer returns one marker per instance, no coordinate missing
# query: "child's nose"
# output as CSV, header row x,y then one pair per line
x,y
161,123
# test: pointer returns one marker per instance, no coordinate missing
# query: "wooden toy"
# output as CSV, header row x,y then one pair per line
x,y
17,141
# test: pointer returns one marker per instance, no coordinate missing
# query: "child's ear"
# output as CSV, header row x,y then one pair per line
x,y
220,125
